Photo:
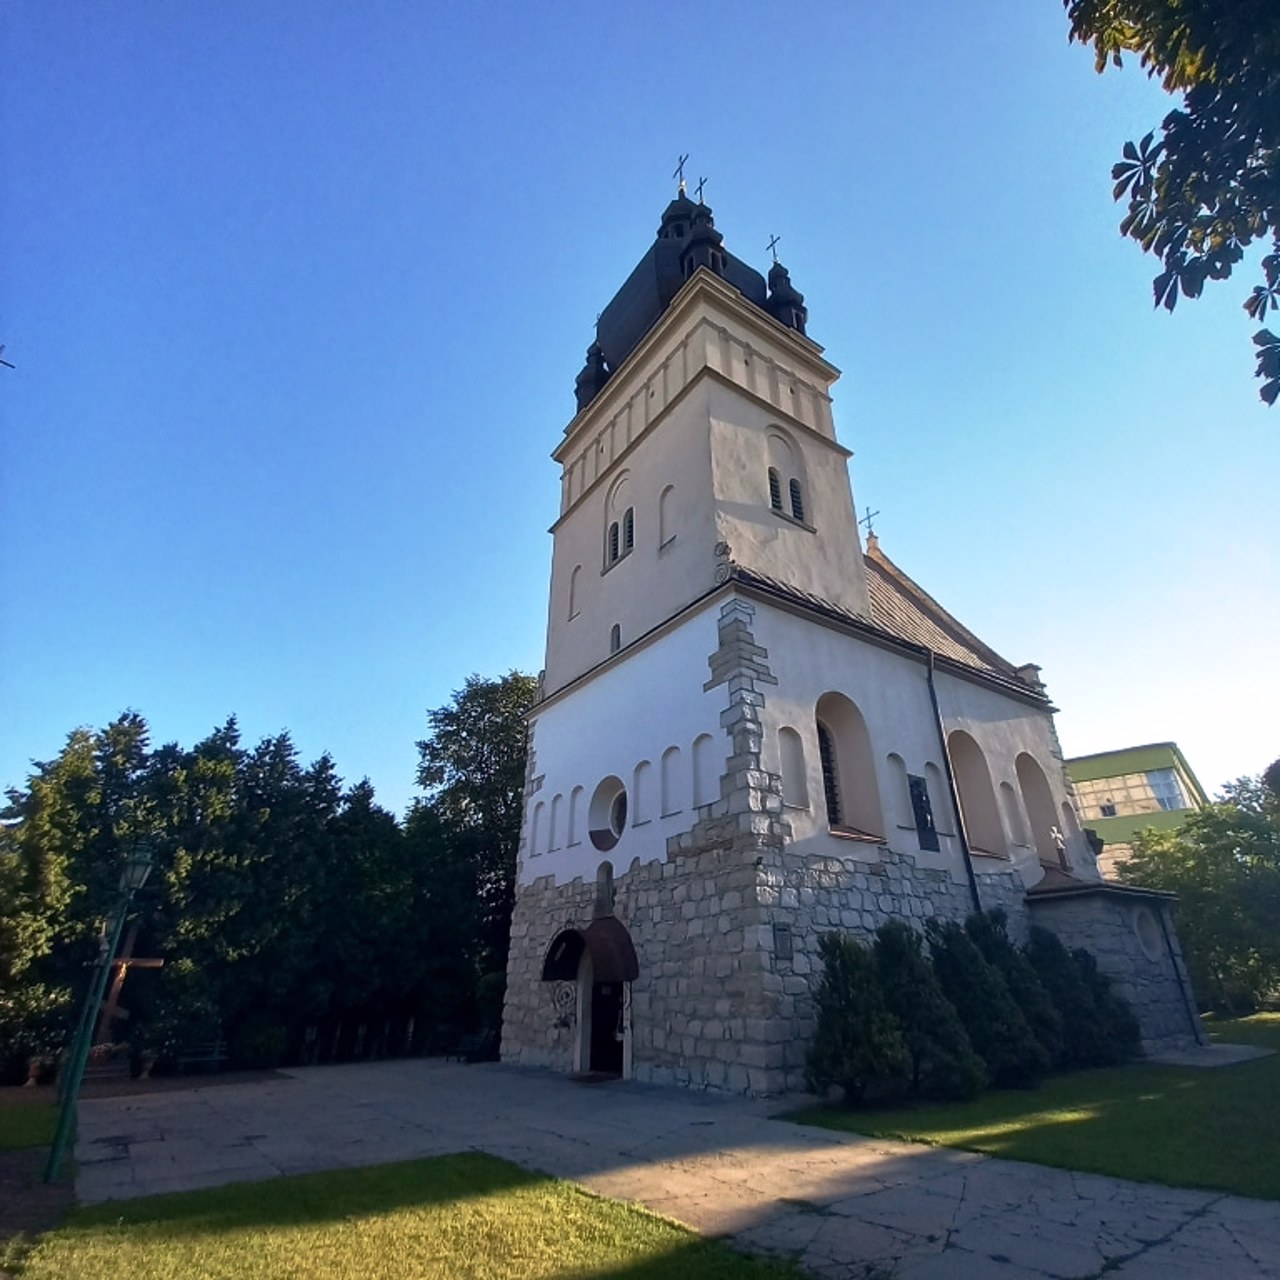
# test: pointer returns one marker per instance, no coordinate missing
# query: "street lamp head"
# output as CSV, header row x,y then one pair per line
x,y
137,868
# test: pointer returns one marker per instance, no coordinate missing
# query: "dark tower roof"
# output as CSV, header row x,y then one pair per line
x,y
687,239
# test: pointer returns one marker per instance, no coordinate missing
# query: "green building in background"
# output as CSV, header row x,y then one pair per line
x,y
1120,793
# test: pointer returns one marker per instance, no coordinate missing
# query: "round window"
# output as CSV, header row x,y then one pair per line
x,y
607,815
1147,928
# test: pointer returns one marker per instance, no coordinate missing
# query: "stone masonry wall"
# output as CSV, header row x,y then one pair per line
x,y
1152,978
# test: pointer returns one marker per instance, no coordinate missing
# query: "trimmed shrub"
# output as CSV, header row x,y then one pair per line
x,y
997,1028
942,1062
1099,1028
990,933
857,1043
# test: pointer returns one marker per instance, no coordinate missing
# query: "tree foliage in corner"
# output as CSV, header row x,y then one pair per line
x,y
472,768
1209,185
1224,865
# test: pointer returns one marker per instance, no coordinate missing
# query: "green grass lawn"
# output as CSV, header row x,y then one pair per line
x,y
24,1122
462,1217
1217,1128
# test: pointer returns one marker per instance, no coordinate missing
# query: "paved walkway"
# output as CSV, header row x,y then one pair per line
x,y
844,1206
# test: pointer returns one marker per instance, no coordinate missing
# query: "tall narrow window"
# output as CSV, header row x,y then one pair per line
x,y
628,530
612,551
666,528
574,579
830,776
775,489
797,500
922,811
615,638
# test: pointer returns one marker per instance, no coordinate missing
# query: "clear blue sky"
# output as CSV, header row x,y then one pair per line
x,y
297,293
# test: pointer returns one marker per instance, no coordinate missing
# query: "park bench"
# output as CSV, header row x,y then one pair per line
x,y
209,1053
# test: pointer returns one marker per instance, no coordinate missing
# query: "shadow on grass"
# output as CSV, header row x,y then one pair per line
x,y
1213,1129
580,1227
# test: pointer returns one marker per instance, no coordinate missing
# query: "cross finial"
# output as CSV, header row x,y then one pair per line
x,y
679,172
702,182
773,246
867,519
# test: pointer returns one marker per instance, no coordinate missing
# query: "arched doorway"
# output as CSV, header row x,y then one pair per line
x,y
602,961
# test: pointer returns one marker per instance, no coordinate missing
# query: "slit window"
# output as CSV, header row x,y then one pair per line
x,y
613,548
775,489
628,530
797,500
615,638
830,777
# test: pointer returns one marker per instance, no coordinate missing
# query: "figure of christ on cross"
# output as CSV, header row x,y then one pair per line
x,y
111,1010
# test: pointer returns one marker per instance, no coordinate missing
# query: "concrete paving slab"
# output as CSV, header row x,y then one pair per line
x,y
843,1205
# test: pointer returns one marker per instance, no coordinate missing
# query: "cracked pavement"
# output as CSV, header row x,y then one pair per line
x,y
842,1205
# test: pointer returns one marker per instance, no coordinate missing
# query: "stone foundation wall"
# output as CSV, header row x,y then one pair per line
x,y
1143,960
727,943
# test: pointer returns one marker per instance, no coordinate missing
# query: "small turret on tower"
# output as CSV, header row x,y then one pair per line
x,y
785,302
590,382
705,244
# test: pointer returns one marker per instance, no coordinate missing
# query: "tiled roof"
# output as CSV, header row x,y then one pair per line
x,y
904,609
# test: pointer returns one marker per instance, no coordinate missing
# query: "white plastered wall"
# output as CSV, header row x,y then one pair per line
x,y
891,690
631,710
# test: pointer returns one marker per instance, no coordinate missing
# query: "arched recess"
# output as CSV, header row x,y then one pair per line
x,y
706,777
535,830
641,794
795,782
553,827
899,792
788,490
673,792
848,767
940,798
977,796
1013,814
575,816
1038,801
666,515
617,505
575,586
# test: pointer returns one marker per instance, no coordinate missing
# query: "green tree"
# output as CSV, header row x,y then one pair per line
x,y
1209,186
943,1063
857,1043
472,767
1224,865
999,1032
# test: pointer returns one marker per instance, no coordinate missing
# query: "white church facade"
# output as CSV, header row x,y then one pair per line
x,y
751,729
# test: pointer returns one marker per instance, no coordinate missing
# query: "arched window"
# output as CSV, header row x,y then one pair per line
x,y
775,489
706,780
641,797
666,515
795,786
672,782
940,795
848,768
575,816
1038,800
614,548
575,582
553,830
615,638
977,796
619,515
797,499
535,830
628,530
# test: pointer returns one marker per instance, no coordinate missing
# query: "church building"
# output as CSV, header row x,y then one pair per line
x,y
751,728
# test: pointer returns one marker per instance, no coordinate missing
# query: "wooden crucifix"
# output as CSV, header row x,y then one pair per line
x,y
125,961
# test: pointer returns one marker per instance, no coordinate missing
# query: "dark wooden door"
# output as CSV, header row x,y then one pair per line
x,y
606,1028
